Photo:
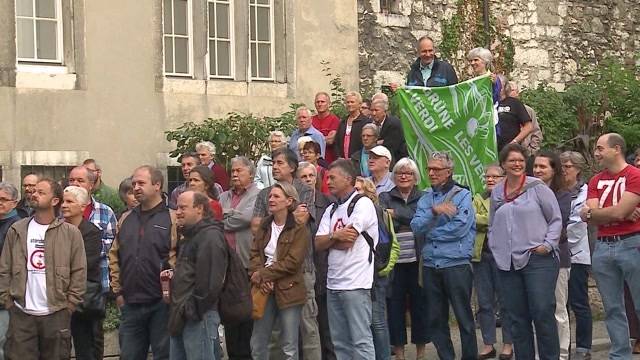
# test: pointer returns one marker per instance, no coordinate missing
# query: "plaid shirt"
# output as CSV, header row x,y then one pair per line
x,y
103,217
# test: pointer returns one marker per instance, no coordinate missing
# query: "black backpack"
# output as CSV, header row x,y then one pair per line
x,y
235,304
382,250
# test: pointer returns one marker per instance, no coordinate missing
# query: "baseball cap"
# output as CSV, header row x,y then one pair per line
x,y
381,151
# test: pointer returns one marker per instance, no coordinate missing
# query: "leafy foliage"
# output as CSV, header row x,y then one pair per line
x,y
337,90
466,30
235,134
604,99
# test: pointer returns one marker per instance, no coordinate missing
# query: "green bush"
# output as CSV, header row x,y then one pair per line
x,y
235,134
603,99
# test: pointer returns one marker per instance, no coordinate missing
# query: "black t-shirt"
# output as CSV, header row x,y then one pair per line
x,y
511,116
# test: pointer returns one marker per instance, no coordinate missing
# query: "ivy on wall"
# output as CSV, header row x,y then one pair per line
x,y
466,30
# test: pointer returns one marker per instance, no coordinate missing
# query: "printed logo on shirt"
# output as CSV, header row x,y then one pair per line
x,y
613,188
502,109
36,258
338,225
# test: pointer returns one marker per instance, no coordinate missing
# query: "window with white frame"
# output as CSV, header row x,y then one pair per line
x,y
261,39
39,31
177,26
221,45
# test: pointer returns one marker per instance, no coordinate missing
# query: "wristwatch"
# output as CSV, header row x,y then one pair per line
x,y
589,213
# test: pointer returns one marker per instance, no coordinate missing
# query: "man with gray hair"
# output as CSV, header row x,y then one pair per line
x,y
391,135
237,204
428,70
360,158
305,128
207,152
446,218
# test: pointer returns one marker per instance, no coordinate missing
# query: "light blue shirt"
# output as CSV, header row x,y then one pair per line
x,y
515,227
385,185
311,132
426,71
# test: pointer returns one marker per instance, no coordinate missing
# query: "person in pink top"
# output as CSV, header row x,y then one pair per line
x,y
326,122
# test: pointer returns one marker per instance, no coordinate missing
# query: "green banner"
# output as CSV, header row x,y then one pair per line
x,y
457,119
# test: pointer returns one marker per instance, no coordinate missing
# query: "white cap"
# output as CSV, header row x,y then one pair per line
x,y
382,151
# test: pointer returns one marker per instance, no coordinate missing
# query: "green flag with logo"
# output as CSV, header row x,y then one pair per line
x,y
457,119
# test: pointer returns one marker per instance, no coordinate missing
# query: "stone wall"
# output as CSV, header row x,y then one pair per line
x,y
552,38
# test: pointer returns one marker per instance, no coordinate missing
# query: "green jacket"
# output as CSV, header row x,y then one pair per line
x,y
482,206
395,245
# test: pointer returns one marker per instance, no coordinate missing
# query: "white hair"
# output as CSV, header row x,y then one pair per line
x,y
406,163
277,133
354,94
381,102
303,140
307,165
206,145
302,108
482,54
380,96
81,194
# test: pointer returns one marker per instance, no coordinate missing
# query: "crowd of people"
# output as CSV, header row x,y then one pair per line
x,y
337,243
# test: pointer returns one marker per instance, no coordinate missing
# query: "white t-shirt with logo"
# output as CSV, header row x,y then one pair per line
x,y
351,269
36,290
270,249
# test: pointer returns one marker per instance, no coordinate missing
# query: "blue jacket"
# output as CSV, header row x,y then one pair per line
x,y
448,240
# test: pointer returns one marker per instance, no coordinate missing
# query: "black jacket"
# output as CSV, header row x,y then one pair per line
x,y
23,209
321,258
355,143
403,211
442,74
144,242
393,138
200,270
92,237
5,224
564,201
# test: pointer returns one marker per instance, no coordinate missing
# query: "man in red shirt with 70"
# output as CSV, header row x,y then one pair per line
x,y
612,200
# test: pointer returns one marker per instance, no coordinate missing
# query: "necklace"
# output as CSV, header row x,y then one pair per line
x,y
516,192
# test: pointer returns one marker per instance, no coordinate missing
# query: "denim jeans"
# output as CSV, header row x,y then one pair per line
x,y
328,352
532,299
488,289
4,326
289,321
612,264
142,325
199,339
405,282
453,286
350,316
579,303
379,327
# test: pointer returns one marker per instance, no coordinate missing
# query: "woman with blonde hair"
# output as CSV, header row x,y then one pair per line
x,y
349,136
277,259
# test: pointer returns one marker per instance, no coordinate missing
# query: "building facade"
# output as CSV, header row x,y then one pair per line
x,y
104,80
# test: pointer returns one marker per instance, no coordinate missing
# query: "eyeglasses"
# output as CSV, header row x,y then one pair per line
x,y
436,169
5,200
404,174
493,176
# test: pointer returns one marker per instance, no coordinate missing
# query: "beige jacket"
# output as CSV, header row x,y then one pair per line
x,y
65,259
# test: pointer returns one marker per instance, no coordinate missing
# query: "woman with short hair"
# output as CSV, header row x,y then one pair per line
x,y
277,260
485,275
349,136
401,202
86,323
525,224
573,167
480,60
